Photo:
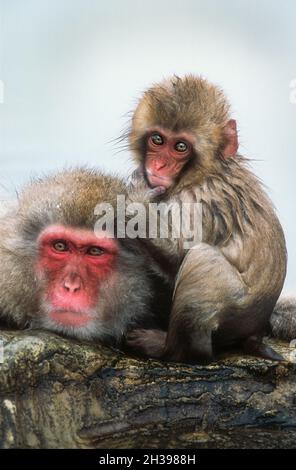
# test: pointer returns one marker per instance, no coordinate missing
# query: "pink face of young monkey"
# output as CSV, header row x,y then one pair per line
x,y
168,152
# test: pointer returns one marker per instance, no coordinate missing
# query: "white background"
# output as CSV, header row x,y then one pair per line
x,y
72,69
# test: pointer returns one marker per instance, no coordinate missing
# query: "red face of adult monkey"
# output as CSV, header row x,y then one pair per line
x,y
57,274
72,265
185,142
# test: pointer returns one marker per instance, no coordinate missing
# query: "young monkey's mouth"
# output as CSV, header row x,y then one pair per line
x,y
156,180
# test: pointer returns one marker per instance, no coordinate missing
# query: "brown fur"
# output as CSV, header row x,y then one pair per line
x,y
228,285
190,104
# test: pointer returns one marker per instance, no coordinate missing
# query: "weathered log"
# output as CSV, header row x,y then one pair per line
x,y
59,393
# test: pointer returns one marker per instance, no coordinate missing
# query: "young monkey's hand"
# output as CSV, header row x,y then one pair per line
x,y
139,190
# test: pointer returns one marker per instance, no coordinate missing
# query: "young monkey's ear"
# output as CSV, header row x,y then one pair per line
x,y
231,147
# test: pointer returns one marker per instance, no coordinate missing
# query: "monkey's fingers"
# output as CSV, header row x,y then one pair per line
x,y
157,191
138,183
144,194
147,343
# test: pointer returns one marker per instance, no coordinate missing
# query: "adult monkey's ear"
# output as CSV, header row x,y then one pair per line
x,y
231,147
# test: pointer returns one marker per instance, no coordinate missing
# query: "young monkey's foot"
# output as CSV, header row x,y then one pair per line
x,y
255,347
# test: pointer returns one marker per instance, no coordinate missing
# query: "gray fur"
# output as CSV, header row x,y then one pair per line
x,y
68,198
283,318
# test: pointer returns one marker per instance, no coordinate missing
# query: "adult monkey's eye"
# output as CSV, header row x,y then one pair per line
x,y
157,139
95,251
60,245
181,147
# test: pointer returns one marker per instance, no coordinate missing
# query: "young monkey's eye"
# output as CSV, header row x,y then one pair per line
x,y
181,147
60,245
157,139
95,251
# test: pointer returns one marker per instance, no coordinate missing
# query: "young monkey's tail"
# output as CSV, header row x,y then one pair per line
x,y
283,318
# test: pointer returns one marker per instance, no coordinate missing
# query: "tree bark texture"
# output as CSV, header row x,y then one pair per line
x,y
59,393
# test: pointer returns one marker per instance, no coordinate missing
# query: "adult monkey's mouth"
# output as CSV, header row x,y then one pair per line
x,y
70,317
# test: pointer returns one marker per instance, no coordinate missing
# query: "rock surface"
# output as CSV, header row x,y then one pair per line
x,y
59,393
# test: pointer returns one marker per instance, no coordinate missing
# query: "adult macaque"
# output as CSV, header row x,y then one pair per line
x,y
186,145
57,274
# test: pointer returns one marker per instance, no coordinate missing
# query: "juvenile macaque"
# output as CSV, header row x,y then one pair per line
x,y
186,145
57,273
